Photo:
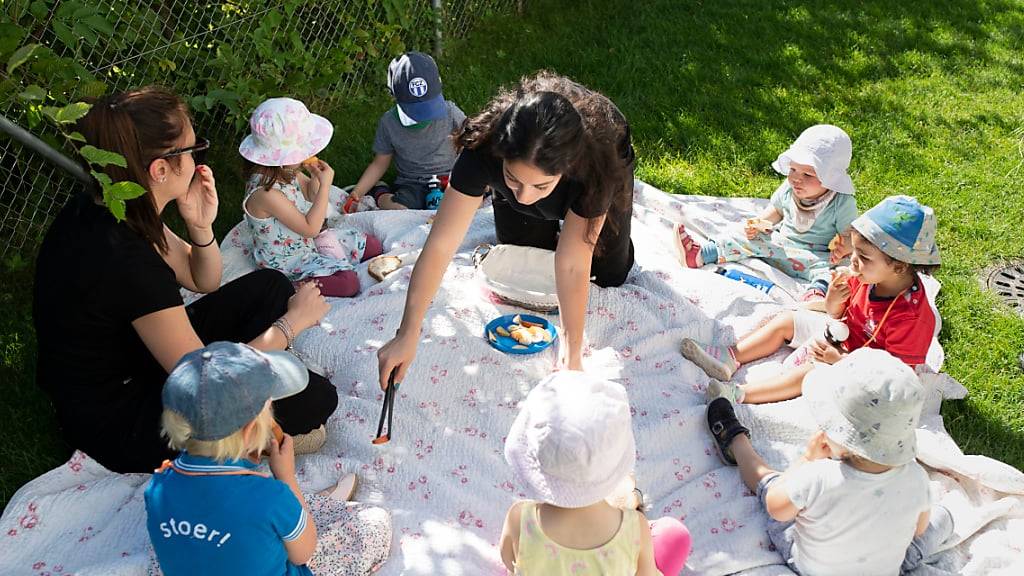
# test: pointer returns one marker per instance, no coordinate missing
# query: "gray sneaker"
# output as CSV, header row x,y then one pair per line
x,y
718,362
718,389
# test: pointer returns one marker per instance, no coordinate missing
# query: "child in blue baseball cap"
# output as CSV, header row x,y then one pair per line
x,y
213,511
415,133
878,302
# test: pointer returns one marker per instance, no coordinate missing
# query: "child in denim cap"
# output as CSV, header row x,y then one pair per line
x,y
880,299
212,511
857,502
810,209
415,133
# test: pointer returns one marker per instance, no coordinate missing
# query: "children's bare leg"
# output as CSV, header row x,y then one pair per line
x,y
752,466
766,340
777,388
387,202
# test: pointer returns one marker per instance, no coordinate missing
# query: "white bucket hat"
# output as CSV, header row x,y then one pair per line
x,y
869,402
284,132
572,442
826,147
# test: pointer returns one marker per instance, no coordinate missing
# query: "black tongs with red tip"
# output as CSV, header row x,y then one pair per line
x,y
387,409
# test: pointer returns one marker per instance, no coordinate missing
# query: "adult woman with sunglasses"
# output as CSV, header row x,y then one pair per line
x,y
109,315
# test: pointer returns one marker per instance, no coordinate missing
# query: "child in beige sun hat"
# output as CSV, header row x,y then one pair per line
x,y
824,509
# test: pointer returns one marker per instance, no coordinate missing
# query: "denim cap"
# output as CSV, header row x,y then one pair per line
x,y
224,386
572,443
828,149
902,228
870,403
415,82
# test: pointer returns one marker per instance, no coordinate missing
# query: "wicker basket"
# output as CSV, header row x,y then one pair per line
x,y
522,276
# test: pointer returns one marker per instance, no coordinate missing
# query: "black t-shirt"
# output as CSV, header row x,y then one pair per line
x,y
94,276
477,169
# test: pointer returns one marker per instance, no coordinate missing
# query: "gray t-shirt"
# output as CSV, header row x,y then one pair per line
x,y
419,153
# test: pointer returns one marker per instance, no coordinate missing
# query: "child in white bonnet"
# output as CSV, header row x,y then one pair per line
x,y
806,227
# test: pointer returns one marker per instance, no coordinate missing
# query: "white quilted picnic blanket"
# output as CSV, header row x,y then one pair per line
x,y
443,476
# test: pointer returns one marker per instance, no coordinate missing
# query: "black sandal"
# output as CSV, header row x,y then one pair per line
x,y
724,426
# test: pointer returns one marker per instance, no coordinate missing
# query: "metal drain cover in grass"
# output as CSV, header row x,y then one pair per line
x,y
1007,282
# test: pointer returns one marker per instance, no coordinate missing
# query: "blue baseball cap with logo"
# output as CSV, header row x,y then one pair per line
x,y
224,386
416,85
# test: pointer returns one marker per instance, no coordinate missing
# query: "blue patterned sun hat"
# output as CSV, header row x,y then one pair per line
x,y
903,228
869,402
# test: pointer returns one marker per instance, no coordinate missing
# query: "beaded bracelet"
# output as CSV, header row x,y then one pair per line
x,y
285,327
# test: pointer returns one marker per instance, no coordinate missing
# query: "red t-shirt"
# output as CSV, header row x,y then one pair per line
x,y
908,331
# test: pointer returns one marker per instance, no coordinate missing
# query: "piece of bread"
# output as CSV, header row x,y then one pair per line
x,y
311,160
381,266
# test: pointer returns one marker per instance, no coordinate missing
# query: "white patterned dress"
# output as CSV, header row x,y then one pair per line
x,y
278,247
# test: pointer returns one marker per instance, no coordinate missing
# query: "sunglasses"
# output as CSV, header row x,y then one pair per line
x,y
197,150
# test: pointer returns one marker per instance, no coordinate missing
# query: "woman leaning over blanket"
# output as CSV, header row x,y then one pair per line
x,y
559,160
109,315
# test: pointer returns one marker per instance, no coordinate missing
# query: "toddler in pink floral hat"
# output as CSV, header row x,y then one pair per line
x,y
287,210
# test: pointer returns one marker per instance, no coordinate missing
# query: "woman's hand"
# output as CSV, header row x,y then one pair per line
x,y
825,353
198,207
282,458
396,356
306,307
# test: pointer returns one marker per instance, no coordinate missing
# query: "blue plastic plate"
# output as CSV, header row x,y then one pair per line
x,y
507,344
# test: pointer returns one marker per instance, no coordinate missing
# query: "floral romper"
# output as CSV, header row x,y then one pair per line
x,y
278,247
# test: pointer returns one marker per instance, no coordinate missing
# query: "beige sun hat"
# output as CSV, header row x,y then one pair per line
x,y
870,403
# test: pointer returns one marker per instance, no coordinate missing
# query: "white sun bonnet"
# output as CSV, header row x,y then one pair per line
x,y
826,147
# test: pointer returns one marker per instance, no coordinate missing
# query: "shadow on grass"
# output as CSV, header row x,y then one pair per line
x,y
31,443
978,431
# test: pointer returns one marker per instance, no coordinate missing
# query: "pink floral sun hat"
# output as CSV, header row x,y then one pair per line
x,y
284,132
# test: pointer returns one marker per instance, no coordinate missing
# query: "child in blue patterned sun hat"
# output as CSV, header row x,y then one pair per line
x,y
880,298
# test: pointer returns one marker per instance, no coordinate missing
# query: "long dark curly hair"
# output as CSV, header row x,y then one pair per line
x,y
564,128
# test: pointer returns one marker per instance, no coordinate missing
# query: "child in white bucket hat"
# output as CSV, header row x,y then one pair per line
x,y
287,210
807,225
857,502
880,298
572,450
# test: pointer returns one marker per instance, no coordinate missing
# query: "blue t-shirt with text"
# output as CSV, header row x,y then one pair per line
x,y
228,524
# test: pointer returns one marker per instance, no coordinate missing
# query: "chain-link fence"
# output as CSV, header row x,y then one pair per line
x,y
225,57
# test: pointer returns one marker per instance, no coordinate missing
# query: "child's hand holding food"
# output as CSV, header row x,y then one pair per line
x,y
755,226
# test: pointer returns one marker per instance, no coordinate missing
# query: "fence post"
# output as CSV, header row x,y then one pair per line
x,y
30,141
438,24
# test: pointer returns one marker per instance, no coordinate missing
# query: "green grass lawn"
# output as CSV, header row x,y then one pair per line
x,y
932,94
